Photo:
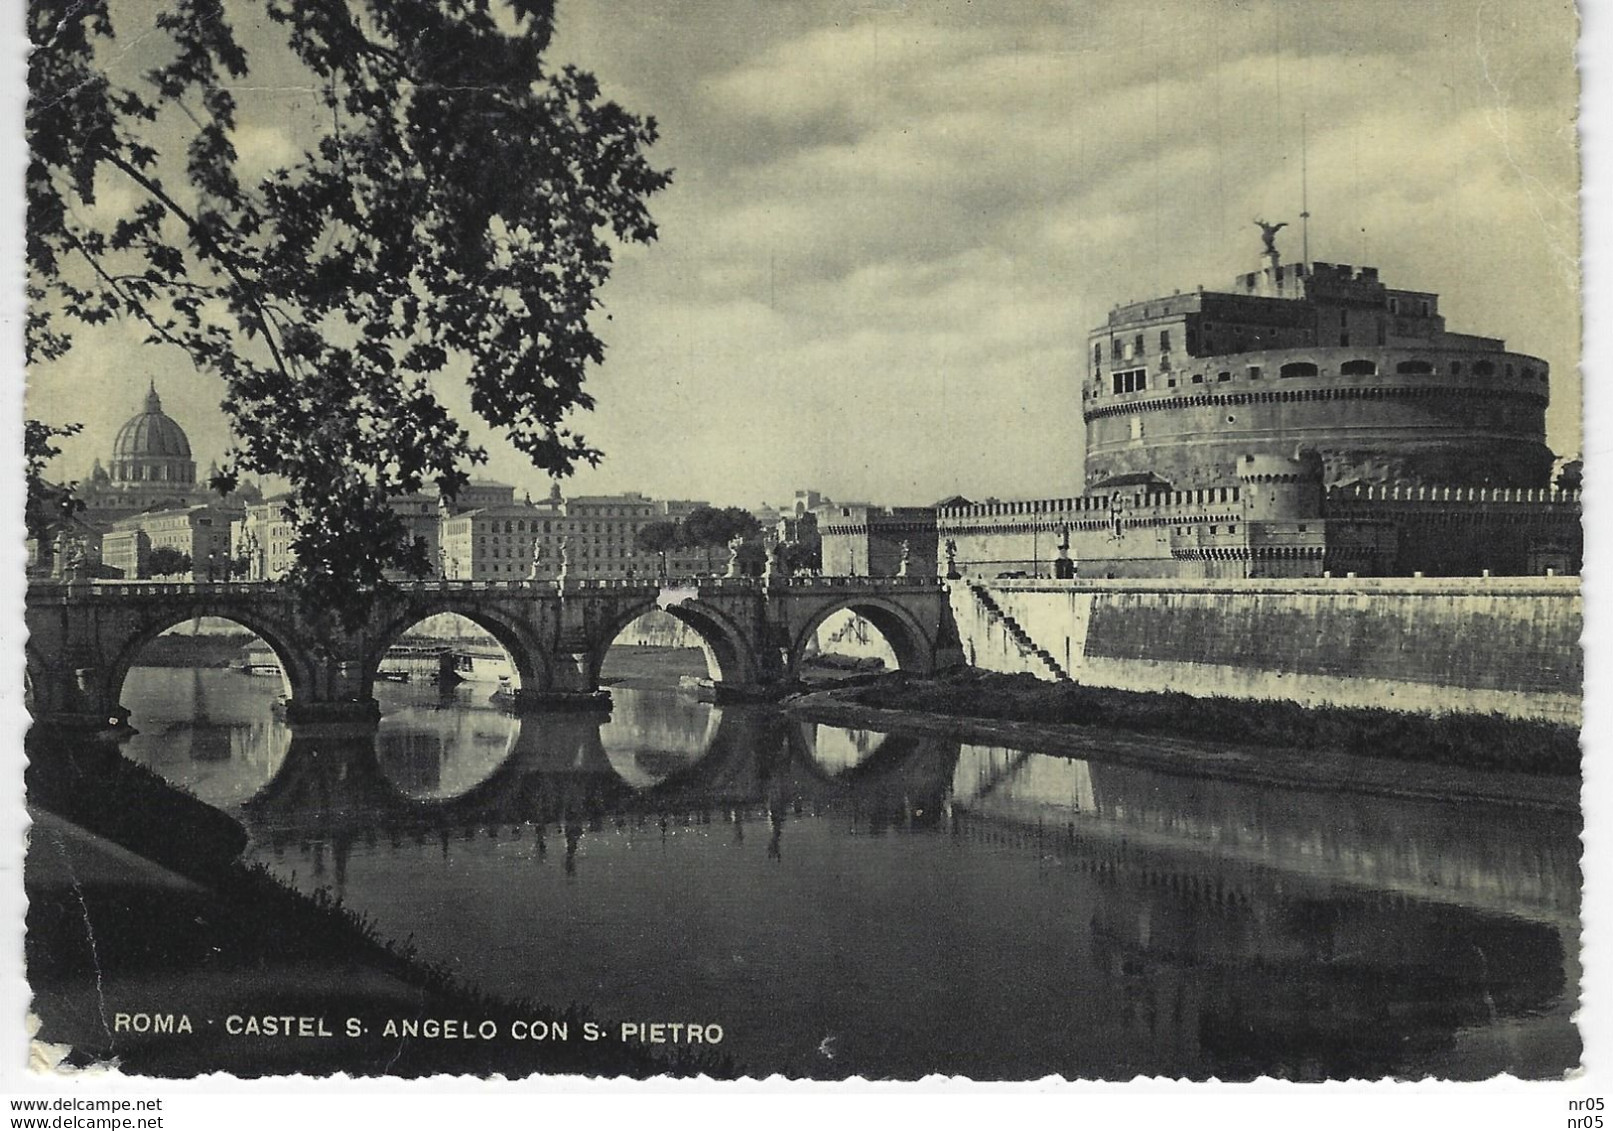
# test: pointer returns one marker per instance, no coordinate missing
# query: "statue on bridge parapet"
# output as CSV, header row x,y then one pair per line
x,y
775,566
952,559
535,572
254,568
76,564
565,563
906,559
734,545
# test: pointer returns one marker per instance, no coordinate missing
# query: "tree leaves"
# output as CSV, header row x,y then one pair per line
x,y
46,506
453,210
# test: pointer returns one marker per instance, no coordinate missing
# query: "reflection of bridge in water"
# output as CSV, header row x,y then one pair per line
x,y
1253,927
557,767
764,764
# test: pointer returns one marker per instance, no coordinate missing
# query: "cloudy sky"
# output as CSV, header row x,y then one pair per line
x,y
893,223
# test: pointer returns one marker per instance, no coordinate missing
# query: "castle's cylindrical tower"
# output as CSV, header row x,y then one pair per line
x,y
1387,415
1281,488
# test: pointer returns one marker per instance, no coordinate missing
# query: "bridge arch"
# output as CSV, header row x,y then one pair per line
x,y
298,669
912,645
730,653
528,656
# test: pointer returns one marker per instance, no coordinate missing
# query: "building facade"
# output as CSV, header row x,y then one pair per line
x,y
262,537
200,533
594,535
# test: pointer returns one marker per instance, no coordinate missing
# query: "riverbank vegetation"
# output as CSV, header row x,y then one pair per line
x,y
1484,742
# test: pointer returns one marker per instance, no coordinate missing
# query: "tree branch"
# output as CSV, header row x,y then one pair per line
x,y
132,304
210,247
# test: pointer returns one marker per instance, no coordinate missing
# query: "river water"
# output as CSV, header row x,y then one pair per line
x,y
851,902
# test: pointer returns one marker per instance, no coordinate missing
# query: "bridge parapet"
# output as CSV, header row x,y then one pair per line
x,y
878,584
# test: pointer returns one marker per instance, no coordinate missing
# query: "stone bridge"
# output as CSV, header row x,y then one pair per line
x,y
85,635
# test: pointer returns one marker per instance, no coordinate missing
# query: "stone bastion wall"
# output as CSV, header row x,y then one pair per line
x,y
1428,645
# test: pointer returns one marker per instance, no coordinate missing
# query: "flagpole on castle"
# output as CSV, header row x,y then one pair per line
x,y
1304,200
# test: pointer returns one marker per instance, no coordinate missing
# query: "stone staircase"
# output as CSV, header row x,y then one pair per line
x,y
1040,657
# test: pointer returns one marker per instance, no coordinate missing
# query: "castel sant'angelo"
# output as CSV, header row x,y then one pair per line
x,y
1307,420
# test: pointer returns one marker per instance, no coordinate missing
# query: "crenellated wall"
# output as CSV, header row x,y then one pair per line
x,y
1429,645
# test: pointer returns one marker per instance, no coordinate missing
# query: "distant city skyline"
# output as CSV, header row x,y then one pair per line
x,y
891,228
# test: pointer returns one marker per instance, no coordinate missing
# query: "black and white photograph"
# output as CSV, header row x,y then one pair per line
x,y
827,541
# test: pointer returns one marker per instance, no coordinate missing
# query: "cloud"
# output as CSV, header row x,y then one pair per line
x,y
893,225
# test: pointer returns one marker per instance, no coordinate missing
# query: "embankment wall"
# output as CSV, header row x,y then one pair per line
x,y
1429,645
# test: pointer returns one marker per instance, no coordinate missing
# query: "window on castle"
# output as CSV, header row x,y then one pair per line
x,y
1484,369
1198,378
1138,348
1097,353
1224,375
1164,341
1254,373
1415,365
1130,381
1298,369
1359,367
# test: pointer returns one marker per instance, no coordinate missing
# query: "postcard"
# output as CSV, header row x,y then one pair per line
x,y
822,541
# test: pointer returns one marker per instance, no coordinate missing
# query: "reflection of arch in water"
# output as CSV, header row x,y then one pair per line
x,y
836,749
296,670
896,768
730,656
437,754
909,643
745,751
650,736
527,655
210,731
